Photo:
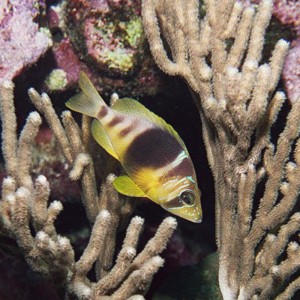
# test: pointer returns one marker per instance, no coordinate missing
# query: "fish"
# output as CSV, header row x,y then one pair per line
x,y
155,160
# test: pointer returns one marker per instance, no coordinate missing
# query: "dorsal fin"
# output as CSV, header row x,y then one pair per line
x,y
130,106
102,138
88,101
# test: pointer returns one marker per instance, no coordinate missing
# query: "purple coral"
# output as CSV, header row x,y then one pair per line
x,y
22,42
288,13
291,73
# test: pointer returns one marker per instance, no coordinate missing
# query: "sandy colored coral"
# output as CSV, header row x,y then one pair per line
x,y
26,216
219,55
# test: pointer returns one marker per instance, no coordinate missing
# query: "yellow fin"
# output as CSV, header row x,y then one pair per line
x,y
133,107
102,138
125,185
88,101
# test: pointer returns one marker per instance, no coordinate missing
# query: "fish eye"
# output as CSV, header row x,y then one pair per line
x,y
187,197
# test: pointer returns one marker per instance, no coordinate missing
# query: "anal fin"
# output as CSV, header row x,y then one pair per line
x,y
102,138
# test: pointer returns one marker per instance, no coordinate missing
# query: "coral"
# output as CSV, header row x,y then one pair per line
x,y
22,41
103,38
48,160
57,80
256,175
287,11
197,282
26,217
106,39
291,72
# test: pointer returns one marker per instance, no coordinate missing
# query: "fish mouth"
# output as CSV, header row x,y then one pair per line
x,y
197,221
192,216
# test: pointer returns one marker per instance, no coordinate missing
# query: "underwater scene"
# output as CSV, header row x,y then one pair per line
x,y
150,149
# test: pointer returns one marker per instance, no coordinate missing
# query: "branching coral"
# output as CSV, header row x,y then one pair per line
x,y
26,216
219,56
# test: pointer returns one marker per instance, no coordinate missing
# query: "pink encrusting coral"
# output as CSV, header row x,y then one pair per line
x,y
288,13
22,41
291,72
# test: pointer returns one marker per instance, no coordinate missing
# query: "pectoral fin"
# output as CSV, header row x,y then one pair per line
x,y
124,185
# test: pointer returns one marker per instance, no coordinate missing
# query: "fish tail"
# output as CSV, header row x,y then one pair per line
x,y
88,101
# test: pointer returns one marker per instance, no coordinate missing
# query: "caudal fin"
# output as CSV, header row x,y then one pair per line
x,y
88,101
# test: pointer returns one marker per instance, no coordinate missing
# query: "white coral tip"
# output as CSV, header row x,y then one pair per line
x,y
158,261
223,103
206,72
32,91
110,178
249,11
56,205
114,98
82,290
296,216
66,114
130,251
251,64
46,99
41,179
268,3
265,70
11,199
280,95
22,192
251,167
137,220
291,166
136,297
275,270
172,222
283,43
293,246
238,5
42,236
284,187
63,241
211,102
271,238
83,158
231,71
8,84
34,117
104,214
8,181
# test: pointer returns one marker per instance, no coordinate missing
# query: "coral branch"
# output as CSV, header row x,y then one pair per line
x,y
219,56
26,216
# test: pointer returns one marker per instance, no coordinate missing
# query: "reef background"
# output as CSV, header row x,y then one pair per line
x,y
105,39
